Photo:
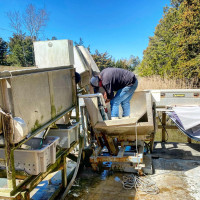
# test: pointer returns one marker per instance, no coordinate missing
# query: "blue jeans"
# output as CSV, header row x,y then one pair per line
x,y
123,97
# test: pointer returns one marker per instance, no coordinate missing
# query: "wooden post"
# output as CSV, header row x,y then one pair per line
x,y
8,134
112,147
64,172
9,153
152,142
163,124
189,140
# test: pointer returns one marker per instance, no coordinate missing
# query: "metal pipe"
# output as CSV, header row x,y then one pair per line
x,y
101,103
83,124
10,74
92,96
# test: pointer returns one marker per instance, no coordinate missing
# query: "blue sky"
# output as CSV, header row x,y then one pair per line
x,y
120,27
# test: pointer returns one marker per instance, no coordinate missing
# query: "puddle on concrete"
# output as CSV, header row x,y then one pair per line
x,y
107,185
176,174
85,182
91,185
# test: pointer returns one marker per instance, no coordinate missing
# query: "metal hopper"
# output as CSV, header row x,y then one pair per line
x,y
115,136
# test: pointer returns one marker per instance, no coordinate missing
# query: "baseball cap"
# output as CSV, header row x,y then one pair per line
x,y
94,81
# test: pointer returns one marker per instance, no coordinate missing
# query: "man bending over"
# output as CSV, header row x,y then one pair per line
x,y
122,81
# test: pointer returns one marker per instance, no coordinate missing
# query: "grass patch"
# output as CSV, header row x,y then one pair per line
x,y
13,68
156,82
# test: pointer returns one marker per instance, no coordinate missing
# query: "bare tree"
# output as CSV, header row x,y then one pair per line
x,y
15,21
34,20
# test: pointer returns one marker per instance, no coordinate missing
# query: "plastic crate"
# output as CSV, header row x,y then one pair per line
x,y
35,160
67,134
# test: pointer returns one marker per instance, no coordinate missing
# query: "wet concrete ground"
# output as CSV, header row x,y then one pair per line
x,y
176,174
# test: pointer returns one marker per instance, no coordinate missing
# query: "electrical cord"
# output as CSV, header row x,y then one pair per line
x,y
142,184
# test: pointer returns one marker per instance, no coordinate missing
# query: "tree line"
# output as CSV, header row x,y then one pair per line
x,y
27,28
174,50
104,60
19,52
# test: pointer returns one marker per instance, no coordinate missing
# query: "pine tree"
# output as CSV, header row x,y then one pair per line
x,y
103,60
20,51
3,51
174,50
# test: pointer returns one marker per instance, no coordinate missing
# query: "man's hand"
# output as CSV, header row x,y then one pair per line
x,y
107,100
105,97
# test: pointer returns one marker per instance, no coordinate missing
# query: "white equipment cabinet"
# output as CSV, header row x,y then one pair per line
x,y
53,53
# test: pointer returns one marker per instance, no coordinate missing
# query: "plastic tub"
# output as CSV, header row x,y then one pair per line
x,y
38,155
67,134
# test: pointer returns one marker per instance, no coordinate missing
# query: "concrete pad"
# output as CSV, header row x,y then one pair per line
x,y
177,178
176,174
46,188
173,150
